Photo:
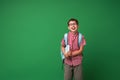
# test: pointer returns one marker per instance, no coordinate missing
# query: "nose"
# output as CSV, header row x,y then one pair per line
x,y
73,25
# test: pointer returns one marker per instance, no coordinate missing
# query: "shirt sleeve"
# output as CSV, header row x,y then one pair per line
x,y
63,42
83,42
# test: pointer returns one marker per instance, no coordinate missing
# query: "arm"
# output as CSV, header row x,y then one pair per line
x,y
63,46
63,49
78,52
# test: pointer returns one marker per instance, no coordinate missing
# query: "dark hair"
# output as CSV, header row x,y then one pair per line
x,y
72,19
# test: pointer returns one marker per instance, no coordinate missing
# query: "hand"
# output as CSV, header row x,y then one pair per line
x,y
68,54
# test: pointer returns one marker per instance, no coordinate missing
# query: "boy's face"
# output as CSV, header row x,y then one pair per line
x,y
73,27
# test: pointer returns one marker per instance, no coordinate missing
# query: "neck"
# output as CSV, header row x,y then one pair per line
x,y
74,32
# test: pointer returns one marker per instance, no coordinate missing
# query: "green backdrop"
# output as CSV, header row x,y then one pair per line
x,y
31,33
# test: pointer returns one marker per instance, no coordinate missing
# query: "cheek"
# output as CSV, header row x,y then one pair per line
x,y
70,27
76,26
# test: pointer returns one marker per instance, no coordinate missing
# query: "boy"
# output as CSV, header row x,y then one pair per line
x,y
73,58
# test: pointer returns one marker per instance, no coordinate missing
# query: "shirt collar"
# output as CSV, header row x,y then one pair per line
x,y
73,34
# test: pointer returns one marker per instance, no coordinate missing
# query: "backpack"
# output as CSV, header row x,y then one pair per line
x,y
67,46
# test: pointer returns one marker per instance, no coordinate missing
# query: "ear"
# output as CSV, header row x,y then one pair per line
x,y
78,26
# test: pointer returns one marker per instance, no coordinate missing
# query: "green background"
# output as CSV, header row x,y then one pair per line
x,y
31,33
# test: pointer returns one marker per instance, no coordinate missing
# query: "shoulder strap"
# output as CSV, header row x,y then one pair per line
x,y
79,38
66,38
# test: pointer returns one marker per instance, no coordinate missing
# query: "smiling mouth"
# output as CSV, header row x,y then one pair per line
x,y
73,28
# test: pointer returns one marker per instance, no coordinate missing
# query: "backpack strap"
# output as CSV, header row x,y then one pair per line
x,y
66,38
79,39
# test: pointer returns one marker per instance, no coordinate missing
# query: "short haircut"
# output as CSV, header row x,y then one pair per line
x,y
72,19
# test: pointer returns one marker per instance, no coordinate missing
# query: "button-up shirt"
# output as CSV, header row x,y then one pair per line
x,y
73,43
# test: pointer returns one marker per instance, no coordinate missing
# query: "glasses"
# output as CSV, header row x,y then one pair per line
x,y
72,24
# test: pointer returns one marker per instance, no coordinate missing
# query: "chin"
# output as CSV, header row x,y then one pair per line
x,y
74,30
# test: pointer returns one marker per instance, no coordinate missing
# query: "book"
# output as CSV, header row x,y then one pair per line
x,y
67,48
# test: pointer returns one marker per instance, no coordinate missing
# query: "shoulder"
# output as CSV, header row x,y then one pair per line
x,y
65,34
81,34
